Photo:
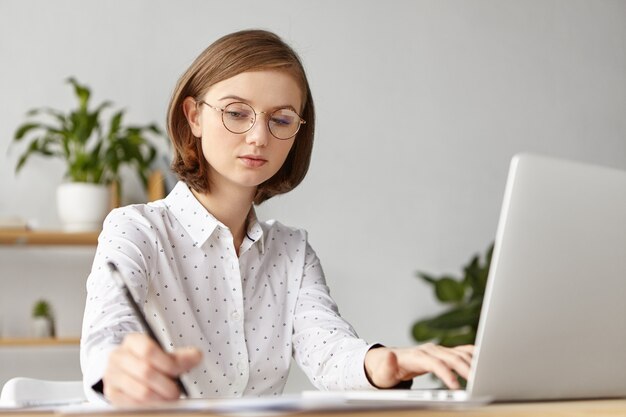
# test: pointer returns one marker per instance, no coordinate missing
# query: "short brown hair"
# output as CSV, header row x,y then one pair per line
x,y
248,50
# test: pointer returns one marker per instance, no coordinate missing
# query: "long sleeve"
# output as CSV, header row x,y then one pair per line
x,y
108,317
325,346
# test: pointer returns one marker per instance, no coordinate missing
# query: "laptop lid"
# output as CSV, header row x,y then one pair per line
x,y
553,323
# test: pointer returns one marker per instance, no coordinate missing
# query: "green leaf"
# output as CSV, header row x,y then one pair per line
x,y
102,106
95,154
32,148
24,129
461,316
422,332
154,129
447,290
115,124
46,143
151,156
426,277
489,255
81,91
473,277
21,161
57,115
486,266
477,273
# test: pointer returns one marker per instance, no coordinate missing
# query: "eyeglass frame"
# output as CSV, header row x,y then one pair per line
x,y
222,109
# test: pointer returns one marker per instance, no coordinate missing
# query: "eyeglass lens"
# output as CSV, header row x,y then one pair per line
x,y
240,117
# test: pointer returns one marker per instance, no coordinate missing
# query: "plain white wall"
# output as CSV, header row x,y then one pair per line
x,y
420,106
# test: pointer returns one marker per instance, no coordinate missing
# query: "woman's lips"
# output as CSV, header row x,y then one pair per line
x,y
252,161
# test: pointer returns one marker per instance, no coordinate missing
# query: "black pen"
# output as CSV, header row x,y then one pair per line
x,y
119,280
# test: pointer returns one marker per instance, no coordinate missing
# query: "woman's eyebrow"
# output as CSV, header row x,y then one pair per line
x,y
233,97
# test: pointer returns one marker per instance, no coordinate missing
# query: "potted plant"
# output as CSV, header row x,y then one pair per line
x,y
458,324
93,151
43,320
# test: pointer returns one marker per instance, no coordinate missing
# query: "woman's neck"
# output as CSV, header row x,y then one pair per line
x,y
230,206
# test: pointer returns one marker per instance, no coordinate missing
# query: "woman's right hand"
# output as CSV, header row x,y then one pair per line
x,y
139,372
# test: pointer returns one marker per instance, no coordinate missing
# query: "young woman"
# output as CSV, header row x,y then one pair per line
x,y
231,297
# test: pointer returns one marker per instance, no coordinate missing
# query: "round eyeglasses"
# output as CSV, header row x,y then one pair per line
x,y
239,117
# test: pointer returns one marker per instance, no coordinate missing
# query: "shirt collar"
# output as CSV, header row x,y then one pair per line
x,y
199,223
255,231
192,215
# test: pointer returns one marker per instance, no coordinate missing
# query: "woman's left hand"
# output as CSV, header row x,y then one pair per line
x,y
387,367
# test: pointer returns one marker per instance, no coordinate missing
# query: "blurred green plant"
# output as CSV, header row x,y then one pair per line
x,y
42,309
92,153
458,324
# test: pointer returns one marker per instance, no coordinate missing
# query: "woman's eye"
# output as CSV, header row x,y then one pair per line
x,y
282,121
284,117
237,114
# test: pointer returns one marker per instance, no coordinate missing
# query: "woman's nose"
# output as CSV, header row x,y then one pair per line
x,y
259,134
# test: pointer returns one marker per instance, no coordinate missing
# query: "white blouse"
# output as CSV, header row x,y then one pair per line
x,y
248,314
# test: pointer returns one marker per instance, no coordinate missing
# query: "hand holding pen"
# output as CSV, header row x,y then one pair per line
x,y
140,370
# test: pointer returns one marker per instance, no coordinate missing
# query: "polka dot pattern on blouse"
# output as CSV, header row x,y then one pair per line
x,y
248,314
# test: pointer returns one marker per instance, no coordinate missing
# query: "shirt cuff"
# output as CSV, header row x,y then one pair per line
x,y
92,376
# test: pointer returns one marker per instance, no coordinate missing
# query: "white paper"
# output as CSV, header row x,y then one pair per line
x,y
307,401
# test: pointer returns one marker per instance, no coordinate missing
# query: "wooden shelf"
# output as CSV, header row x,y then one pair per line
x,y
64,341
47,238
15,237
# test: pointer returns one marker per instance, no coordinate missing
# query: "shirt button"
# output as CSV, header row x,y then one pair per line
x,y
241,366
236,316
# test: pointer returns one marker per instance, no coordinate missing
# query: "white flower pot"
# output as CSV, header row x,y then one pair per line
x,y
41,327
82,207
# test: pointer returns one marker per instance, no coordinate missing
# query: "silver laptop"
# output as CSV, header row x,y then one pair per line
x,y
553,322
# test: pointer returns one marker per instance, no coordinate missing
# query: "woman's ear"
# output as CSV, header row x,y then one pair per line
x,y
192,114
